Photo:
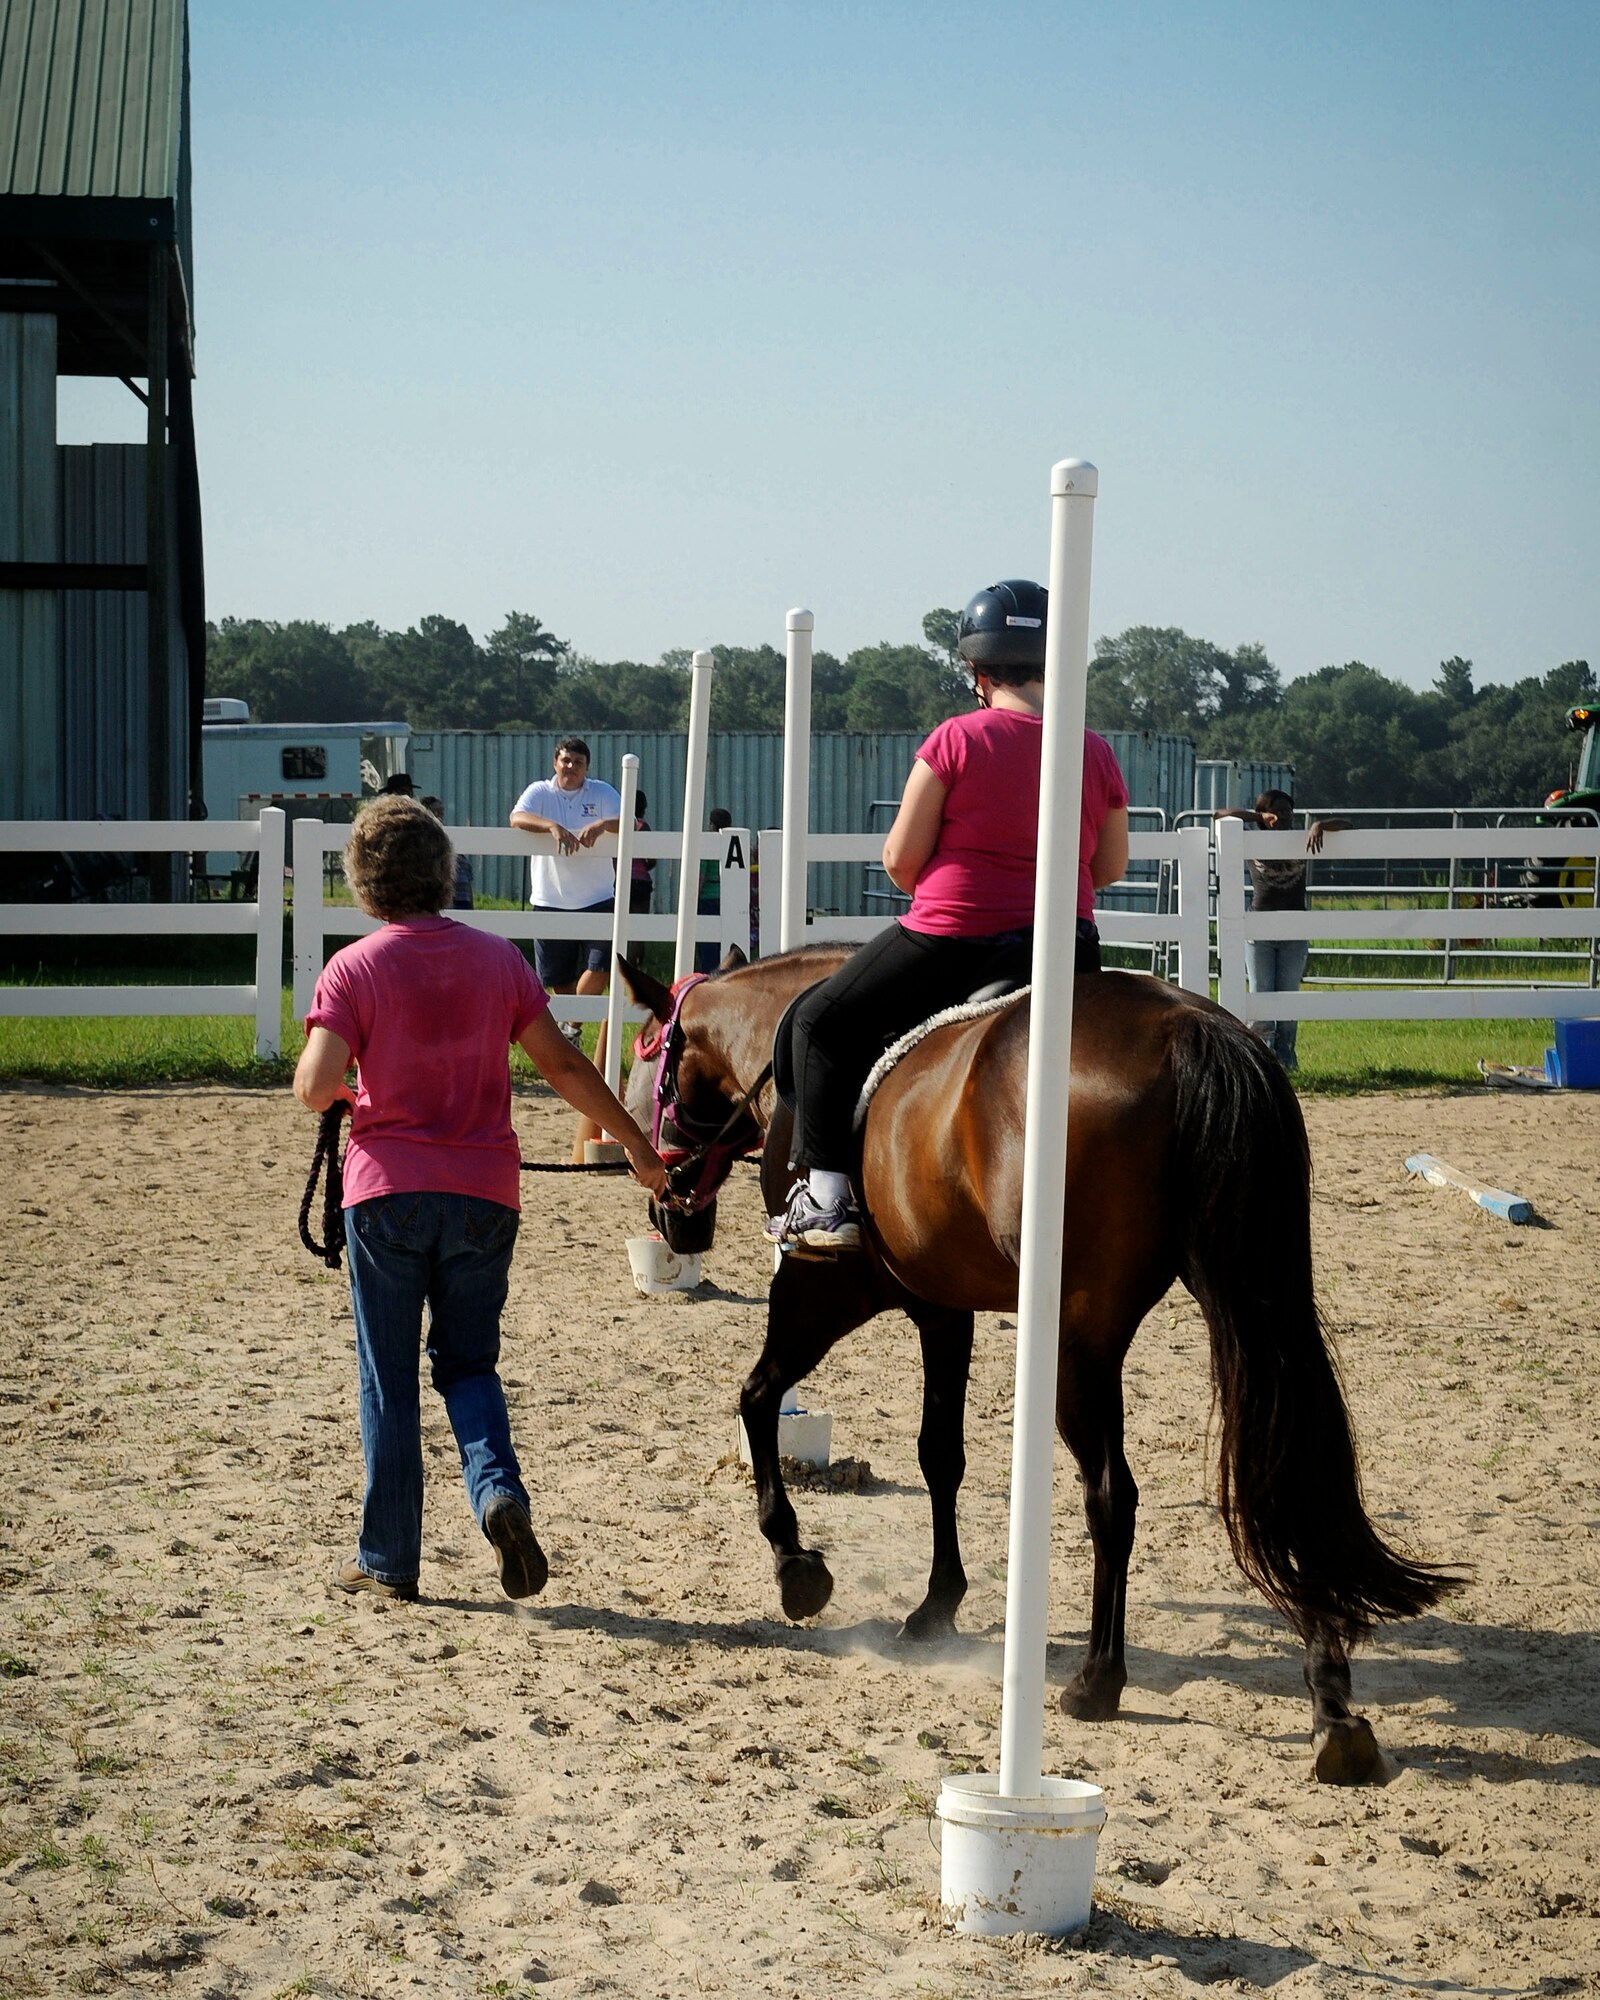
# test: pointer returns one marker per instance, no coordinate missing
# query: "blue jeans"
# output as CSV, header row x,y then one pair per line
x,y
1277,965
451,1253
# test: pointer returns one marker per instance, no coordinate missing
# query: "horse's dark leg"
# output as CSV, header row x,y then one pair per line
x,y
942,1454
1344,1749
1089,1417
812,1304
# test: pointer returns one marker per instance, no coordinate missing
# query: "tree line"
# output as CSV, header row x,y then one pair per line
x,y
1356,737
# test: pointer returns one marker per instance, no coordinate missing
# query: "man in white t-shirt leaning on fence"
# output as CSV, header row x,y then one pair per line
x,y
576,811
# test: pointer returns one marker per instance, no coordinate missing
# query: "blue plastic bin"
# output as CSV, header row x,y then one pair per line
x,y
1577,1055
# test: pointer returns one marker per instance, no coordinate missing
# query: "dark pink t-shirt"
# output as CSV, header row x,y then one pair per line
x,y
980,877
429,1009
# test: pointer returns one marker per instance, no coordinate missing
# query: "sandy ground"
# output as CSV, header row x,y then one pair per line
x,y
217,1780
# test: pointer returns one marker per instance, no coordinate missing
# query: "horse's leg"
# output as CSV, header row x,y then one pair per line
x,y
1089,1417
942,1454
1344,1749
811,1305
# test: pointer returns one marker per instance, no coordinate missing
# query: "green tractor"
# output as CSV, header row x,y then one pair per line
x,y
1570,883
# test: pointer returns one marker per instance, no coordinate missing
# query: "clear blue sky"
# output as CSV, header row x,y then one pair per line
x,y
656,319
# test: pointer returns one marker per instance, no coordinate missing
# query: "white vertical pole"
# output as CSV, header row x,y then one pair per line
x,y
619,920
269,932
1073,485
796,779
694,811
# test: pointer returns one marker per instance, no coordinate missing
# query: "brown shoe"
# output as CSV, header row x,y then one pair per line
x,y
354,1581
523,1568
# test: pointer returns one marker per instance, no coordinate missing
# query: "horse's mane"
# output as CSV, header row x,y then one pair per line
x,y
826,947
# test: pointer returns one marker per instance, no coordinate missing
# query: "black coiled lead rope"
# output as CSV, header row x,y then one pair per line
x,y
331,1248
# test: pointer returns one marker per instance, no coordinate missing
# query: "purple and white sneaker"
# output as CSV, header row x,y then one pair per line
x,y
809,1225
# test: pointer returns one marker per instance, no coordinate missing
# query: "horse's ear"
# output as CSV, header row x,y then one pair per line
x,y
734,959
647,992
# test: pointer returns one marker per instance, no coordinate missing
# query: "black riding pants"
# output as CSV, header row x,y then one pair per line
x,y
896,981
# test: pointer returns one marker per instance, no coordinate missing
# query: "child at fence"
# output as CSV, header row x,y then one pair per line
x,y
1277,965
428,1010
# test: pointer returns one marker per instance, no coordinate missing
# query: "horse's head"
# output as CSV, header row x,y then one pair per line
x,y
683,1092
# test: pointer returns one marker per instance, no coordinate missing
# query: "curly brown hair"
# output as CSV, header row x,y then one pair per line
x,y
398,860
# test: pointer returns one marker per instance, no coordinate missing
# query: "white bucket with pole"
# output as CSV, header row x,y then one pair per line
x,y
1019,1834
1018,1864
657,1267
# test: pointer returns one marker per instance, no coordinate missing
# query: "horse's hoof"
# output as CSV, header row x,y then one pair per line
x,y
927,1626
805,1583
1085,1702
1347,1753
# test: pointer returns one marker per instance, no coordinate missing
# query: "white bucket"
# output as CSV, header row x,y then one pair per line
x,y
1018,1864
803,1435
656,1268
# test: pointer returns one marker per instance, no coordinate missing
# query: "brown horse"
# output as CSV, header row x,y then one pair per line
x,y
1187,1159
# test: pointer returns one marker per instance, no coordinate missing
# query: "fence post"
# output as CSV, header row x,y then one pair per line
x,y
1193,878
308,852
269,933
770,890
735,892
1231,988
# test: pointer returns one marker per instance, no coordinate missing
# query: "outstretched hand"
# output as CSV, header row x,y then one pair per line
x,y
647,1167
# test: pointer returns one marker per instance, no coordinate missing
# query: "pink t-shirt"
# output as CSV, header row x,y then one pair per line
x,y
980,877
429,1009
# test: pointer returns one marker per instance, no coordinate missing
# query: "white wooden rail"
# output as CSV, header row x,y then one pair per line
x,y
263,919
1187,925
1236,927
316,921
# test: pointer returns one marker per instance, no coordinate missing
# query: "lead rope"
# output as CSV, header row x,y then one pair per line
x,y
331,1248
327,1156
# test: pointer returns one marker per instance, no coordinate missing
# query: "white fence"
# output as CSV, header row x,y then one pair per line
x,y
1178,924
1177,927
1498,918
315,921
263,919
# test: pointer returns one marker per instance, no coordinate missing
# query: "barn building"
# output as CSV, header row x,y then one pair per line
x,y
102,610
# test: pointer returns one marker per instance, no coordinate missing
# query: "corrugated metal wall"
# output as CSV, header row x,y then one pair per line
x,y
856,781
105,764
92,97
1235,781
30,526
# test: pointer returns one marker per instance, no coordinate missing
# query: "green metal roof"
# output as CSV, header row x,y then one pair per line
x,y
92,98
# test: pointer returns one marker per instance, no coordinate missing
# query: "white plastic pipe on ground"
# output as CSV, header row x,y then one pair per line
x,y
629,791
694,811
1073,486
796,779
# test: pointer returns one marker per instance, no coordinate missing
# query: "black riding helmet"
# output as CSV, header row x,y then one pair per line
x,y
1003,627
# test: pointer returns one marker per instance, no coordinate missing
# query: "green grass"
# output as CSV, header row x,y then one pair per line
x,y
1339,1058
123,1052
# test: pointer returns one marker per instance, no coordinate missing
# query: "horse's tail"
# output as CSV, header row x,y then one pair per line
x,y
1288,1481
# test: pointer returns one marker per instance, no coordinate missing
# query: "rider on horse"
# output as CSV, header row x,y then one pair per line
x,y
964,847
